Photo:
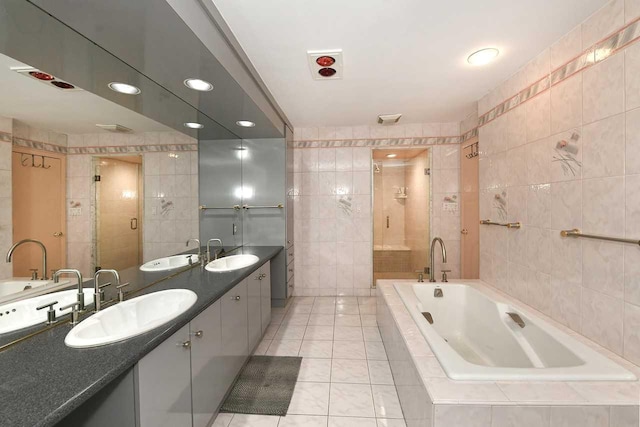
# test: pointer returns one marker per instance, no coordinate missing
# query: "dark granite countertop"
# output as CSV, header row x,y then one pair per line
x,y
42,380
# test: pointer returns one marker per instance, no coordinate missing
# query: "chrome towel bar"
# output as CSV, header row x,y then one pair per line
x,y
577,233
501,224
238,207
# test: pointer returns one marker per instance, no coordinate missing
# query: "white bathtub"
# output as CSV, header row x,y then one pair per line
x,y
474,338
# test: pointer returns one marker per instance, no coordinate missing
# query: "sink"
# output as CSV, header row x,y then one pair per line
x,y
231,263
169,263
12,286
130,318
22,314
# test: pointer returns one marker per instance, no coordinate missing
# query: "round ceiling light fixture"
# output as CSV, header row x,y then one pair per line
x,y
198,84
193,125
245,123
325,61
327,72
125,88
391,156
483,56
41,76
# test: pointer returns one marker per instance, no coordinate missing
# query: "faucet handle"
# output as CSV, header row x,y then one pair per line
x,y
444,275
51,313
75,313
101,290
121,293
34,273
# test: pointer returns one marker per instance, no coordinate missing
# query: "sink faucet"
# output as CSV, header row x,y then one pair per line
x,y
44,254
56,279
98,292
199,250
432,270
215,254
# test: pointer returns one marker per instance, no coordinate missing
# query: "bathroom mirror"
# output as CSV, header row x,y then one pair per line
x,y
401,212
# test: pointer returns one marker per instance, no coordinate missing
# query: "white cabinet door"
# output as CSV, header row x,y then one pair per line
x,y
234,330
254,302
164,383
265,295
208,386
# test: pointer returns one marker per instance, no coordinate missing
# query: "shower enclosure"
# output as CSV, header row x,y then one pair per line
x,y
401,205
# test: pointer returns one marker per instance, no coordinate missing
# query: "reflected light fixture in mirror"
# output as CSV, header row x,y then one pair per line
x,y
125,88
242,153
245,123
391,156
244,192
198,84
193,125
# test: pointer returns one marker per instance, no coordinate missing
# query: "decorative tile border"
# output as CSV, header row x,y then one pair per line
x,y
469,135
44,146
381,142
596,53
5,137
121,149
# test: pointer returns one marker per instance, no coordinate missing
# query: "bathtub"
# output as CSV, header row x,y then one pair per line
x,y
475,338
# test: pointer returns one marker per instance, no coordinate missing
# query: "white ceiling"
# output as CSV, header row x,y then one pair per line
x,y
404,57
70,112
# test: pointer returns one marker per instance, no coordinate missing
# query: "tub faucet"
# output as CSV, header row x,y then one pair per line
x,y
98,292
44,254
199,250
56,279
432,270
215,254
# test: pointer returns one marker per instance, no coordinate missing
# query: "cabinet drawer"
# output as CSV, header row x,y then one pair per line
x,y
291,285
290,270
290,254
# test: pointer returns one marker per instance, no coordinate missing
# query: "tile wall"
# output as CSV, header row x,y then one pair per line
x,y
6,227
333,214
568,158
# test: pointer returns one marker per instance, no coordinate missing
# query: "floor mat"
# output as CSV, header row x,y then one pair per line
x,y
264,387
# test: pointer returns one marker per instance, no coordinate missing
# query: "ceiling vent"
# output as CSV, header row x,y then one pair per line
x,y
325,64
115,128
389,119
45,78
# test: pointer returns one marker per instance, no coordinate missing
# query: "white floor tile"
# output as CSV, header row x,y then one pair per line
x,y
380,372
375,350
319,333
368,320
261,349
386,401
348,320
371,333
321,320
290,332
349,371
303,421
296,319
244,420
382,422
349,350
315,370
222,420
351,400
347,309
317,349
347,300
348,333
310,399
284,348
351,422
323,309
304,300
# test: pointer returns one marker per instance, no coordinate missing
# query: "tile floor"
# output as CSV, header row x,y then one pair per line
x,y
345,379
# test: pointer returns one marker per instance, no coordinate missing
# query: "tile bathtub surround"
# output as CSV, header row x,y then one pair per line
x,y
447,403
568,158
333,215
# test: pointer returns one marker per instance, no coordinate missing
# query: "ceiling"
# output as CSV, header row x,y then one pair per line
x,y
404,57
70,112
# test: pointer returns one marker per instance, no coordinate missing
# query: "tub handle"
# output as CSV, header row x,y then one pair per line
x,y
428,316
516,318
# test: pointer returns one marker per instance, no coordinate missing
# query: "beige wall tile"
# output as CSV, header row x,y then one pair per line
x,y
602,319
603,89
602,23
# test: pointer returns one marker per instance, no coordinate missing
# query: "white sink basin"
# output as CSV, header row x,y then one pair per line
x,y
22,314
130,318
8,287
169,263
231,263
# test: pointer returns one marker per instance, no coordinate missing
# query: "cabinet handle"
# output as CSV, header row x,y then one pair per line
x,y
199,334
236,298
186,344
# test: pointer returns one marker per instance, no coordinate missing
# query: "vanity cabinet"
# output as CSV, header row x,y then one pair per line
x,y
265,296
235,334
259,288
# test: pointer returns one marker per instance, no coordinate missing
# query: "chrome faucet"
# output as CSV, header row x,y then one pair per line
x,y
215,254
432,270
199,250
56,279
98,291
44,254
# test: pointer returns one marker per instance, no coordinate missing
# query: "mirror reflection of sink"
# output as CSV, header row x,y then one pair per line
x,y
11,286
22,314
130,318
231,263
169,263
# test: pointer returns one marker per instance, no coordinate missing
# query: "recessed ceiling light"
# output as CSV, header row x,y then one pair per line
x,y
124,88
198,84
483,56
245,123
391,156
193,125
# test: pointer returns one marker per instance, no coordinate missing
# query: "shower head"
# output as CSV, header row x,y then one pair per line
x,y
376,168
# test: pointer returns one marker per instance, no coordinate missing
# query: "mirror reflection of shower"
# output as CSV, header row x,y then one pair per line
x,y
401,203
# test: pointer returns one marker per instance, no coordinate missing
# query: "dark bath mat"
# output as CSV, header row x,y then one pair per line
x,y
264,387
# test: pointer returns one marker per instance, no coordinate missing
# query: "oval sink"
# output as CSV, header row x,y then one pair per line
x,y
22,314
231,263
130,318
169,263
